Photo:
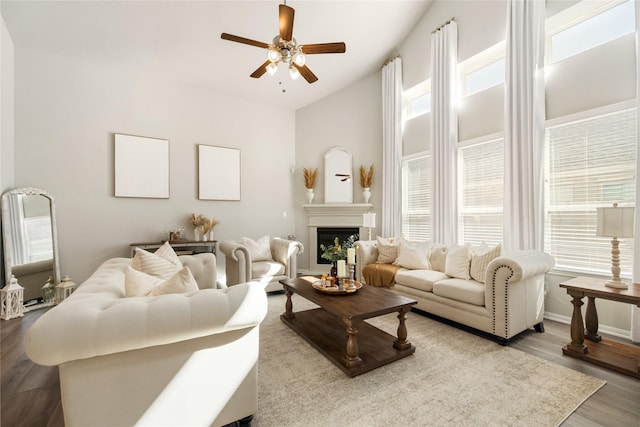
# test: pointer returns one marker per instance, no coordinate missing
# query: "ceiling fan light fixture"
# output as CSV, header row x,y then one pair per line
x,y
272,68
293,72
274,55
299,58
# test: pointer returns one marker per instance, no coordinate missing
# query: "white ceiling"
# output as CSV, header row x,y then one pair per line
x,y
180,40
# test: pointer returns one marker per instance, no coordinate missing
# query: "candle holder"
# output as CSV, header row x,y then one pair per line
x,y
352,271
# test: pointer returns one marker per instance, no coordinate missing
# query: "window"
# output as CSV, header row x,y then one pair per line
x,y
480,183
597,23
483,71
417,100
590,163
416,197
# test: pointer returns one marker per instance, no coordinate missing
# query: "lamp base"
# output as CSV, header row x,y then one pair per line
x,y
616,284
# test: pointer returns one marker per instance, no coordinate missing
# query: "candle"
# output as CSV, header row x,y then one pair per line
x,y
351,256
342,270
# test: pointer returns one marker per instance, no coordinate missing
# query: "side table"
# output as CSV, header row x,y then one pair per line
x,y
586,344
182,247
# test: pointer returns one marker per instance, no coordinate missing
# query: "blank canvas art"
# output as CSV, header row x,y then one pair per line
x,y
218,173
141,167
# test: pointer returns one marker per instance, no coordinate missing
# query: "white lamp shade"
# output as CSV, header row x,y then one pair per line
x,y
615,222
369,220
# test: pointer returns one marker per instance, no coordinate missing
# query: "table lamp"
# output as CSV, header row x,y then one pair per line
x,y
615,222
369,220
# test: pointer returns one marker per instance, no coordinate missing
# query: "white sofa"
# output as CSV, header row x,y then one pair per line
x,y
241,268
510,301
176,359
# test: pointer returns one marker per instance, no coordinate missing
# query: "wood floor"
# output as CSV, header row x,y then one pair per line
x,y
30,394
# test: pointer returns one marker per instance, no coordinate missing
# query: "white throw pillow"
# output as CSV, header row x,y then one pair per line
x,y
438,257
387,249
258,250
138,284
414,255
458,260
154,265
481,259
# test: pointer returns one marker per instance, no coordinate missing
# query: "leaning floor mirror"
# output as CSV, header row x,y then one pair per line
x,y
30,242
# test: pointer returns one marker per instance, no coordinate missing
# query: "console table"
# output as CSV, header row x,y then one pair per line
x,y
182,247
586,344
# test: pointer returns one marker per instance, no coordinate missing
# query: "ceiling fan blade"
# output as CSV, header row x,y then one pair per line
x,y
243,40
310,49
260,70
306,73
286,22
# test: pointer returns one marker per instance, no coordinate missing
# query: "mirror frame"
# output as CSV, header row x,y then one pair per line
x,y
338,160
28,191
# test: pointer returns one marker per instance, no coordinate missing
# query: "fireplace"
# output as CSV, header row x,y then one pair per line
x,y
342,220
327,235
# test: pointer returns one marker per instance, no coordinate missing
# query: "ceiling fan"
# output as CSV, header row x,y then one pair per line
x,y
286,50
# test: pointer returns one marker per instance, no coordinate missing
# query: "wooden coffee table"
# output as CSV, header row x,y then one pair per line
x,y
337,329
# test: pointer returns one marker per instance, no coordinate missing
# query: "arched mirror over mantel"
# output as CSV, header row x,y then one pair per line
x,y
338,176
30,240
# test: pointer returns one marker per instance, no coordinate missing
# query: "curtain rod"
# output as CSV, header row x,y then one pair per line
x,y
443,25
388,61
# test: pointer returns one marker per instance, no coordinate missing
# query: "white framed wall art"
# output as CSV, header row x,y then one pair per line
x,y
141,167
218,173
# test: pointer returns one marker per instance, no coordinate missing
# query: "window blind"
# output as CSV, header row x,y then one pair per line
x,y
416,198
481,177
590,163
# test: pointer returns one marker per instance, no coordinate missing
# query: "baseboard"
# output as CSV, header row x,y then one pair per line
x,y
620,333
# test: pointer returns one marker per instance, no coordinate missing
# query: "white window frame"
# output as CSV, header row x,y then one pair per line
x,y
405,193
412,94
477,62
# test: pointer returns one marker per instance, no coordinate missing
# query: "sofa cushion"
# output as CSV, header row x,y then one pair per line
x,y
438,257
139,284
413,255
387,249
266,268
259,250
468,291
419,279
481,259
458,261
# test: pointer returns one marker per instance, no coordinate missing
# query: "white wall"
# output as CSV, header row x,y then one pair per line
x,y
6,108
351,118
67,111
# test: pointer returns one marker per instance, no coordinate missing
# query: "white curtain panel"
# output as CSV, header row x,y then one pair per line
x,y
635,311
524,126
392,148
444,133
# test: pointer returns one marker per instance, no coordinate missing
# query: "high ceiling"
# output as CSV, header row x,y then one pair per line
x,y
180,40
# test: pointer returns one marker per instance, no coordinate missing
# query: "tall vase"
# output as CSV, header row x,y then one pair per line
x,y
334,270
366,194
309,195
196,234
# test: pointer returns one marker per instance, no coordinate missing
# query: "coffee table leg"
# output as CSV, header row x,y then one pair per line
x,y
352,360
288,314
401,343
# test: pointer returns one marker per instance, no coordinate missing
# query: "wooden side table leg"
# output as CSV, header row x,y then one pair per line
x,y
591,321
288,314
401,343
352,359
577,327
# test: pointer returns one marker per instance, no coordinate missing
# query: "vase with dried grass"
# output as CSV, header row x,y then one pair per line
x,y
310,182
366,179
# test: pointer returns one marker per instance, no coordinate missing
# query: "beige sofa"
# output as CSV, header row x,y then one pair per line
x,y
510,301
175,359
280,263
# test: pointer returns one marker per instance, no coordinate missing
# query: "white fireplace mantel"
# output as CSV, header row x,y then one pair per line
x,y
347,215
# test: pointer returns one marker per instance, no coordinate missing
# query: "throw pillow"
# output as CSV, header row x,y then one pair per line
x,y
258,250
138,284
413,255
481,259
457,263
165,252
438,257
154,265
387,249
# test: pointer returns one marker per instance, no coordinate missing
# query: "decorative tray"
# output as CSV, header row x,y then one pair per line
x,y
336,290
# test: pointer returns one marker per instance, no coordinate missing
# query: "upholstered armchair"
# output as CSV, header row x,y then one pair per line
x,y
246,262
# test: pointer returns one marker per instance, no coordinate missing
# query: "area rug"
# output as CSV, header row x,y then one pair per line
x,y
455,378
